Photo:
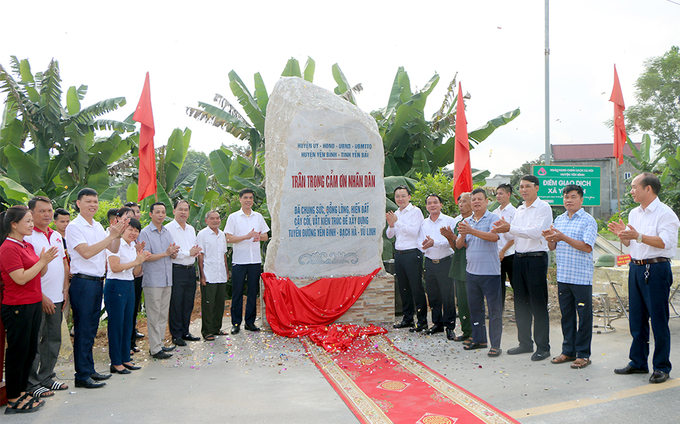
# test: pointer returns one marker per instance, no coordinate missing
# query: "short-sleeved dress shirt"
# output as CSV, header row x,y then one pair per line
x,y
213,248
157,273
80,231
239,224
482,255
573,265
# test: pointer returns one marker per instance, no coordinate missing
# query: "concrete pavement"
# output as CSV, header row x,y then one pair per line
x,y
264,378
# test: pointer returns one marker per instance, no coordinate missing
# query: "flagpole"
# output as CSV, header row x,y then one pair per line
x,y
618,198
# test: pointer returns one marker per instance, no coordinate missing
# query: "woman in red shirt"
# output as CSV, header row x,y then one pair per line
x,y
20,269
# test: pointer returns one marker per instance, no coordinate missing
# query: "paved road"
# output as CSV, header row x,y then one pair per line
x,y
263,378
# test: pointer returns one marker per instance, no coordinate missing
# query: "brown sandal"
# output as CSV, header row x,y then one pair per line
x,y
562,359
580,363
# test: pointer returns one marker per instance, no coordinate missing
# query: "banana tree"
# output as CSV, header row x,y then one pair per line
x,y
51,149
413,144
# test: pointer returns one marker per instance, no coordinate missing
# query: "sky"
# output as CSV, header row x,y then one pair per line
x,y
495,46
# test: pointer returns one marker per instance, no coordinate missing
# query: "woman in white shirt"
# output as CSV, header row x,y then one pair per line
x,y
119,296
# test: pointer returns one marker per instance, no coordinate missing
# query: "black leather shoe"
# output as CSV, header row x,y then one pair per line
x,y
450,334
519,349
99,377
658,377
418,328
403,324
89,384
168,348
179,342
628,369
161,355
190,337
115,371
251,327
132,367
435,329
540,355
139,335
235,329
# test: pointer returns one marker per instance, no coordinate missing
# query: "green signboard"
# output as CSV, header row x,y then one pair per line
x,y
553,178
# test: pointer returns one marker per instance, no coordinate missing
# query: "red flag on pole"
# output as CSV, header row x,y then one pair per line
x,y
462,173
147,153
619,124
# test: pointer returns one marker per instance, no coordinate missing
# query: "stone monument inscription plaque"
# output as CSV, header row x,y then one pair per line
x,y
324,180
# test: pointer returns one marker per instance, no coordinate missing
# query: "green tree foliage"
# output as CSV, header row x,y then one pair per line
x,y
413,144
658,101
52,149
523,170
665,164
438,184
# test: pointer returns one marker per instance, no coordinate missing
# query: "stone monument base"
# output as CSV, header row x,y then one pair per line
x,y
375,305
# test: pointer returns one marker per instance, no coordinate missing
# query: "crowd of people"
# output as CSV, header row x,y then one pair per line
x,y
467,259
82,263
464,261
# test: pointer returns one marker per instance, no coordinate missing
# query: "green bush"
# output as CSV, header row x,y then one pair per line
x,y
438,184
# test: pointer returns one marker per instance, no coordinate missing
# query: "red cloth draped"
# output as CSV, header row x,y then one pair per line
x,y
295,312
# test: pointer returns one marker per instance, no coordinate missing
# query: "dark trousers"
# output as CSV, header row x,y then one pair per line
x,y
479,287
22,324
137,306
648,299
440,292
239,275
576,300
86,302
49,343
181,300
119,297
463,308
506,274
409,269
212,307
531,301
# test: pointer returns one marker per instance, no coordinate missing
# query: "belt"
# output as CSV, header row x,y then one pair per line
x,y
88,277
436,261
529,254
650,261
401,252
183,266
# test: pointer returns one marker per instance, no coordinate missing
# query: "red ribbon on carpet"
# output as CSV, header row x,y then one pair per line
x,y
308,311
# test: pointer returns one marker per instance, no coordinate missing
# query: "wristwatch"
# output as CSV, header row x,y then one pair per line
x,y
639,238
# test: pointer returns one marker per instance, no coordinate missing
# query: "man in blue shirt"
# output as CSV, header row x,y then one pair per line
x,y
483,273
573,236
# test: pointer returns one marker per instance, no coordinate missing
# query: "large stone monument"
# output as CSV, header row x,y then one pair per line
x,y
325,193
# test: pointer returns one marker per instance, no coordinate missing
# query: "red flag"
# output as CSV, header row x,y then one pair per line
x,y
147,153
462,173
619,124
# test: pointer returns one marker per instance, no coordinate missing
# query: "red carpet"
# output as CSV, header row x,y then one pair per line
x,y
382,384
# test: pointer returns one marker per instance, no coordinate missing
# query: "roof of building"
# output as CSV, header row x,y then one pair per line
x,y
587,151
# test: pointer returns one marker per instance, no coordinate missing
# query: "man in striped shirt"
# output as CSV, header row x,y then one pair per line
x,y
573,236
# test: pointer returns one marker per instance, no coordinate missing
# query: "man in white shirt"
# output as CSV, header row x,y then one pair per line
x,y
506,241
405,224
54,290
652,234
213,275
245,229
183,275
438,256
530,269
87,241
